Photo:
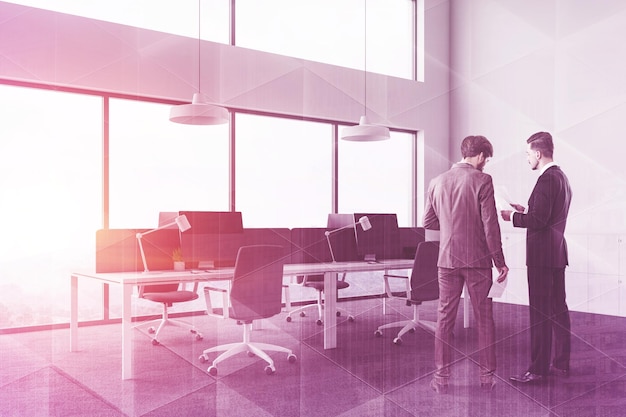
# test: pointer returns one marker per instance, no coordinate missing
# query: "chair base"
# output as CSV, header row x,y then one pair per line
x,y
320,313
252,348
407,326
166,321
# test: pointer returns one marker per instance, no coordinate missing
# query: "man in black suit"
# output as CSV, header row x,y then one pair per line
x,y
546,259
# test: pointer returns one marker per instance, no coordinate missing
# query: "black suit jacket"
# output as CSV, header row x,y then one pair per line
x,y
545,220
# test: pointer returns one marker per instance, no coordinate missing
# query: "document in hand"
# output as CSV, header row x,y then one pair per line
x,y
503,199
497,289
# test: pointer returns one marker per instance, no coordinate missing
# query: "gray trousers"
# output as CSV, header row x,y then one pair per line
x,y
451,282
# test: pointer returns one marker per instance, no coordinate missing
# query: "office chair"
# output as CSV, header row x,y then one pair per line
x,y
422,286
255,294
167,295
317,282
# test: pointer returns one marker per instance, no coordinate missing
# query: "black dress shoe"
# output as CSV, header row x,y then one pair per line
x,y
564,373
526,378
438,388
488,386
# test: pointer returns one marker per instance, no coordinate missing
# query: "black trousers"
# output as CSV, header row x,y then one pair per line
x,y
549,316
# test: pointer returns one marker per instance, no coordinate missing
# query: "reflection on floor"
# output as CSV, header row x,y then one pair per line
x,y
364,376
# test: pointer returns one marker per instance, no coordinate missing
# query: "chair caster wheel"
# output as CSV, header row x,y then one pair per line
x,y
350,318
292,358
378,333
412,330
302,314
269,370
152,330
397,341
203,359
155,342
212,370
199,336
250,354
338,314
319,322
288,319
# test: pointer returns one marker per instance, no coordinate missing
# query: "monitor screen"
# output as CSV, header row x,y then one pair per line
x,y
381,241
213,239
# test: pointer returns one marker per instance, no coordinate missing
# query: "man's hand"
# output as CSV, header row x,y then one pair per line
x,y
503,272
506,215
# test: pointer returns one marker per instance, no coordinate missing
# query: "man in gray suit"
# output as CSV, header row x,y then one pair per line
x,y
546,259
461,205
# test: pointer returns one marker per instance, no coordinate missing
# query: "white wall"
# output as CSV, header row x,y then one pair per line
x,y
553,65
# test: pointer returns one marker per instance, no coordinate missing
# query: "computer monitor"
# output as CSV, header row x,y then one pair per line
x,y
309,245
213,239
213,222
381,241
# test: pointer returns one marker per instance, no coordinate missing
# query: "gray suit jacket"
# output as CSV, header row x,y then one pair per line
x,y
461,205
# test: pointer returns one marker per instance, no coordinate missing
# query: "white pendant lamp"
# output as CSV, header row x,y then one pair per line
x,y
199,112
364,131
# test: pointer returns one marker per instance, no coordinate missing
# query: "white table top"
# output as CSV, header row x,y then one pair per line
x,y
154,277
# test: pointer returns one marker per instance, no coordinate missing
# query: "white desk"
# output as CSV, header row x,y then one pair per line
x,y
127,280
330,271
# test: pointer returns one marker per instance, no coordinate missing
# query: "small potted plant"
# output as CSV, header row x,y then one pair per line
x,y
177,257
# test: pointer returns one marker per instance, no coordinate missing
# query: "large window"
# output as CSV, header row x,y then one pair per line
x,y
177,17
66,171
302,29
283,172
51,205
307,29
377,177
51,179
157,165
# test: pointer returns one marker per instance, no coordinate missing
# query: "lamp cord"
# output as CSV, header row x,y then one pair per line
x,y
365,57
199,57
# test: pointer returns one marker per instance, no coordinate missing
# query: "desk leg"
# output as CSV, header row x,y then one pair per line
x,y
466,308
384,294
330,310
73,313
127,351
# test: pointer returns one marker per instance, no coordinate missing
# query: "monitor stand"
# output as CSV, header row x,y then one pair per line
x,y
206,264
370,257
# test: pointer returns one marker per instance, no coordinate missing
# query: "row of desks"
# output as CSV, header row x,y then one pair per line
x,y
127,280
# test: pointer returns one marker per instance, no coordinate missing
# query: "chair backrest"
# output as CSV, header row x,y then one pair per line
x,y
257,282
424,281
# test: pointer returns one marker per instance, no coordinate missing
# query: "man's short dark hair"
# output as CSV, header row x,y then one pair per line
x,y
474,145
542,142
